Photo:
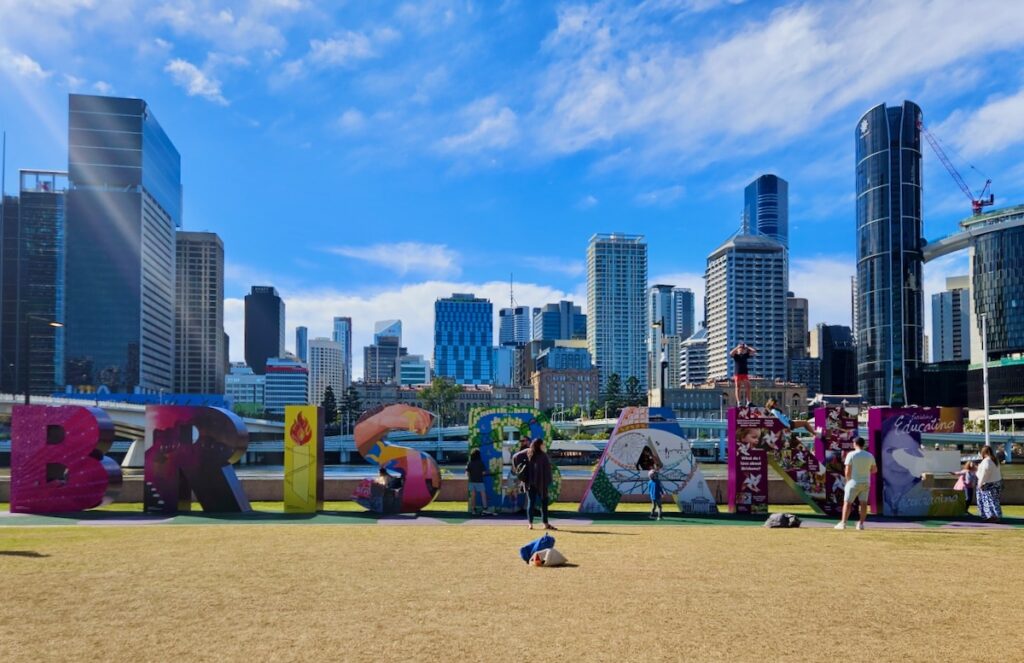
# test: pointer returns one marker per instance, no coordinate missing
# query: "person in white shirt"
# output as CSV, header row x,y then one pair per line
x,y
990,486
860,465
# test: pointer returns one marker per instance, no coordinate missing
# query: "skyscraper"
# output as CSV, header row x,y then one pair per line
x,y
387,329
342,335
693,359
890,300
951,315
684,323
766,207
463,339
287,383
561,321
617,319
797,320
123,206
32,278
264,327
747,281
838,355
199,350
302,344
514,325
381,359
325,369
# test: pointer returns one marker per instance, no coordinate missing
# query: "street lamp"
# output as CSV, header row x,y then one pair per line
x,y
26,333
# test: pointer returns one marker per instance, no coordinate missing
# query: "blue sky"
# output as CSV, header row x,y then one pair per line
x,y
366,158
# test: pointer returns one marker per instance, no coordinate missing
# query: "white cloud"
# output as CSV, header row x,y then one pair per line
x,y
413,304
21,65
616,76
995,126
825,282
194,81
490,127
102,87
341,51
660,197
586,202
406,257
247,27
351,121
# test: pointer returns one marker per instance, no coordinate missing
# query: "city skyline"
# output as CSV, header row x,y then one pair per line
x,y
474,154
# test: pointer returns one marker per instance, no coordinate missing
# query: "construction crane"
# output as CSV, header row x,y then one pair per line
x,y
977,202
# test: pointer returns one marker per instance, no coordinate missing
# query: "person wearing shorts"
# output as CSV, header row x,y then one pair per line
x,y
741,355
860,465
475,473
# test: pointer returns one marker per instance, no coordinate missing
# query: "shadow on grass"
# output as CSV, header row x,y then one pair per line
x,y
595,531
22,553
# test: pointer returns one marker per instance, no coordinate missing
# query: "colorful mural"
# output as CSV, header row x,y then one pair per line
x,y
837,429
645,437
303,459
192,450
758,441
903,460
487,433
419,478
57,459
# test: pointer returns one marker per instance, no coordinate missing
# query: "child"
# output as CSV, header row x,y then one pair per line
x,y
654,491
475,473
968,481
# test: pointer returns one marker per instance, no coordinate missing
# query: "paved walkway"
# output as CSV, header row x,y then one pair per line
x,y
561,519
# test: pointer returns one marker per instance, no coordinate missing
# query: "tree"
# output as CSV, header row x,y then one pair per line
x,y
330,406
351,408
634,395
440,397
613,394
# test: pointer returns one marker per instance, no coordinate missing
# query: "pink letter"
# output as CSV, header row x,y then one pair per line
x,y
57,461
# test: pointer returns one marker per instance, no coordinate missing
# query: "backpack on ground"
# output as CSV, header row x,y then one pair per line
x,y
782,520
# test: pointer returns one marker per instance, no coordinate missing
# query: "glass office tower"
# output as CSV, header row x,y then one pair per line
x,y
123,207
890,300
32,277
463,339
264,327
766,207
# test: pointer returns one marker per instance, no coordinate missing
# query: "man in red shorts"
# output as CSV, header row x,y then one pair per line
x,y
741,355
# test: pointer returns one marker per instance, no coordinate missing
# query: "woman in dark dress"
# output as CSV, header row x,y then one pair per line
x,y
538,479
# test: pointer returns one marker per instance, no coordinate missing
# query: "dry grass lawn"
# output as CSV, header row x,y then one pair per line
x,y
460,593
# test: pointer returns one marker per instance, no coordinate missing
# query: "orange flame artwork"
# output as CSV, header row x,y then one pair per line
x,y
301,432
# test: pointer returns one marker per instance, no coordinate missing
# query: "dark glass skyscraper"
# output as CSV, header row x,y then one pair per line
x,y
890,299
264,327
200,347
766,207
123,207
32,259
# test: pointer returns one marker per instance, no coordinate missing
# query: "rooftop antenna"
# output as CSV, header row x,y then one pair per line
x,y
511,292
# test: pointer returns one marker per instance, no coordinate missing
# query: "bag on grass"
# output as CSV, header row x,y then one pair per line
x,y
548,557
543,543
782,520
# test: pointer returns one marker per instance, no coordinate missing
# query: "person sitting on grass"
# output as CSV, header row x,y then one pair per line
x,y
475,473
538,480
860,465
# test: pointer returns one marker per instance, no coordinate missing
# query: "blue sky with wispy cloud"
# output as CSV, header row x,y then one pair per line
x,y
368,159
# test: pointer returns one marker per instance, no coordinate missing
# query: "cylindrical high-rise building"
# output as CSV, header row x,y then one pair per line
x,y
890,300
